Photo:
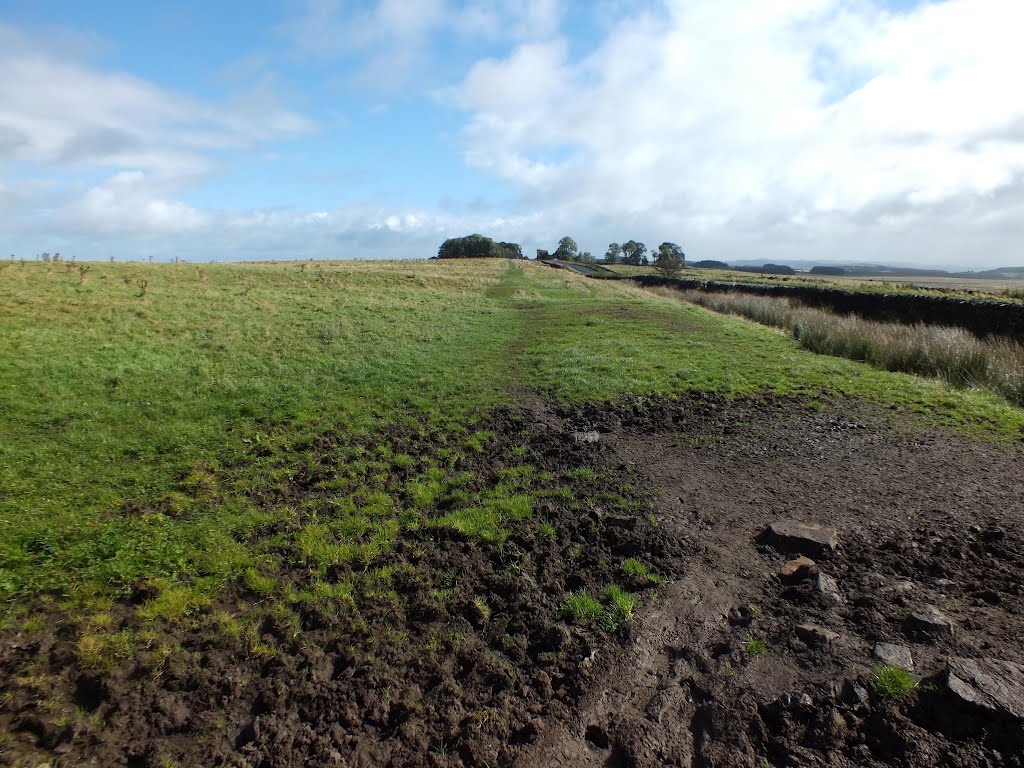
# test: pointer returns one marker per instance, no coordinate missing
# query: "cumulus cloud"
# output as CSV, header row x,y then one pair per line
x,y
392,41
797,119
129,203
58,112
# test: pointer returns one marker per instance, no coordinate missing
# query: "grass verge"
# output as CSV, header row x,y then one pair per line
x,y
953,354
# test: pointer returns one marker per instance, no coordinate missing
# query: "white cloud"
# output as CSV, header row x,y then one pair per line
x,y
61,112
798,119
394,41
129,203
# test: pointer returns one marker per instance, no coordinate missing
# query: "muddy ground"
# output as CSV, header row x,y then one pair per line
x,y
725,664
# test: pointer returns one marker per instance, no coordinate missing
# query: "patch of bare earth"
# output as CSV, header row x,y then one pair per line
x,y
928,573
729,663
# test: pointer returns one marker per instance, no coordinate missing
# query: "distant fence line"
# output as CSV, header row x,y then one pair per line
x,y
980,317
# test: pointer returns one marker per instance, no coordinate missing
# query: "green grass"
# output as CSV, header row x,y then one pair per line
x,y
615,610
755,647
953,354
151,445
582,608
619,606
639,570
892,683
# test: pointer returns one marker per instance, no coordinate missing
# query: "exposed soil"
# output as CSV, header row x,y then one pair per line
x,y
423,676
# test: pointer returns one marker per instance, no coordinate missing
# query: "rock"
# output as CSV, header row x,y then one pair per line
x,y
794,537
854,695
583,438
815,636
993,685
797,570
929,620
894,655
829,587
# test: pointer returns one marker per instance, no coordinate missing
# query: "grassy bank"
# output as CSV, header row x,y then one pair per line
x,y
952,354
155,420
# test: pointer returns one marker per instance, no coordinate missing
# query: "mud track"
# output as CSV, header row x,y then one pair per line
x,y
923,518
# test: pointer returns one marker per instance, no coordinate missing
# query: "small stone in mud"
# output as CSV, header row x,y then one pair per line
x,y
929,620
900,587
583,438
829,587
794,537
991,684
815,636
854,695
895,655
797,570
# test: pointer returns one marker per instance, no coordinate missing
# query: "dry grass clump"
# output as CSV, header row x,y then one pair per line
x,y
950,353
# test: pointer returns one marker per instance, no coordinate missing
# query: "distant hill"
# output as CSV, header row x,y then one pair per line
x,y
878,270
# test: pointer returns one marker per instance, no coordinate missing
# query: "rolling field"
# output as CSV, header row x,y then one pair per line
x,y
991,289
238,468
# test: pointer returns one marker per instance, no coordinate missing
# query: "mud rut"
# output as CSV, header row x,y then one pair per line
x,y
923,518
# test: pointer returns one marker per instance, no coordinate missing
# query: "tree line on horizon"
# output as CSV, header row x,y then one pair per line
x,y
668,257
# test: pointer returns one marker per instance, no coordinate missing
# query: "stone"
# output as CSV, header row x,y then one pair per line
x,y
854,695
929,620
815,636
797,538
829,587
583,438
798,570
993,685
895,655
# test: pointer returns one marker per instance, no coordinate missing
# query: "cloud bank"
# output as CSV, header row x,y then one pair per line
x,y
777,127
805,129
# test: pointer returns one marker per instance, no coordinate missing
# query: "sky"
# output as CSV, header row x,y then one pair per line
x,y
826,130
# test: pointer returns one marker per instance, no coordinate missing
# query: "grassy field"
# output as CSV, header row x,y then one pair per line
x,y
151,416
953,354
1006,290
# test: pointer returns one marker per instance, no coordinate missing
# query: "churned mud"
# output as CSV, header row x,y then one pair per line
x,y
736,664
735,660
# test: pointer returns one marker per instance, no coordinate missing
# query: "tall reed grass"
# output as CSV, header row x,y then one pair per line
x,y
950,353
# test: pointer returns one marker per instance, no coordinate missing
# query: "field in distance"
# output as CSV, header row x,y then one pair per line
x,y
996,289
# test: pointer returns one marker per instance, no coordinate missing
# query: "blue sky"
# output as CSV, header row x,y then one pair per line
x,y
802,129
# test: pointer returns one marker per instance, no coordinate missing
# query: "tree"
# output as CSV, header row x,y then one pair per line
x,y
611,256
633,253
586,257
567,249
542,254
512,250
478,247
670,259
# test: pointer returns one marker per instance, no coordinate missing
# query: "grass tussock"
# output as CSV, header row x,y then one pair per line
x,y
949,353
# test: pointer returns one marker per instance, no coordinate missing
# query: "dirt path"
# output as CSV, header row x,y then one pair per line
x,y
922,519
